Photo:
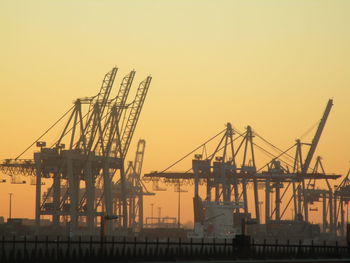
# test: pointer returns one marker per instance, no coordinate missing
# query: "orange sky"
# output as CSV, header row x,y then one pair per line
x,y
270,64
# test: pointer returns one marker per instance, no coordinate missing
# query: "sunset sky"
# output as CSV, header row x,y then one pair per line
x,y
269,64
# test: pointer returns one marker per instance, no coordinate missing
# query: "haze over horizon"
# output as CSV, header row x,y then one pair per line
x,y
269,64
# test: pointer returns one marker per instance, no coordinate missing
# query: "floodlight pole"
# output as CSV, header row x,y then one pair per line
x,y
10,206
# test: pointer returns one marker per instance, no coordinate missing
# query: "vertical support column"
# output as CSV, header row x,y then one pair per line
x,y
235,187
198,213
225,183
299,204
131,211
72,194
38,164
335,214
342,224
295,201
108,198
306,203
115,211
56,198
120,209
123,196
90,197
245,196
140,212
77,197
217,180
267,202
331,213
196,178
217,190
208,197
256,200
278,201
227,192
115,204
324,213
348,234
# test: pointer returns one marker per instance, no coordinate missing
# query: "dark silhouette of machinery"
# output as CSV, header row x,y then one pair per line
x,y
90,152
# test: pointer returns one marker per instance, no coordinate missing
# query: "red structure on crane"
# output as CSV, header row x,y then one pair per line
x,y
228,181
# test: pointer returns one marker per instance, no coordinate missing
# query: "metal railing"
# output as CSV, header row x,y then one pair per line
x,y
94,249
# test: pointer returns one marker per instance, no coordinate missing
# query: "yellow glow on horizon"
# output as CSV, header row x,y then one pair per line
x,y
269,64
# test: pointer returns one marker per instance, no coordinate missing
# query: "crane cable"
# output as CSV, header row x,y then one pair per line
x,y
270,144
266,151
86,114
212,138
222,147
275,157
53,125
310,129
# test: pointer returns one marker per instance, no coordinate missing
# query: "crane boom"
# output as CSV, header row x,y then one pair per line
x,y
98,105
134,115
105,90
317,137
113,115
140,152
123,92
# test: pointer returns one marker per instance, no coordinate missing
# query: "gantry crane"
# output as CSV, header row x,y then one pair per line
x,y
97,147
341,199
225,181
227,178
135,190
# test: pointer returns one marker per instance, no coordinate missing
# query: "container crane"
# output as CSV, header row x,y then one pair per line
x,y
274,178
88,157
311,152
135,189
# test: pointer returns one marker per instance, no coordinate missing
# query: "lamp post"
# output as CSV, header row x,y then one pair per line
x,y
260,207
159,214
10,206
152,213
179,190
179,208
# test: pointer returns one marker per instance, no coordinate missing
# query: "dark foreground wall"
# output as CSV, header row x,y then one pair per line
x,y
113,250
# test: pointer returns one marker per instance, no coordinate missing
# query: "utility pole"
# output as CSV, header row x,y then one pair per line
x,y
178,208
152,212
260,205
10,206
159,214
179,190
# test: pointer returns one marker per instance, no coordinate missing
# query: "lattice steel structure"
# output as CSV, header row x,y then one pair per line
x,y
89,153
292,182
